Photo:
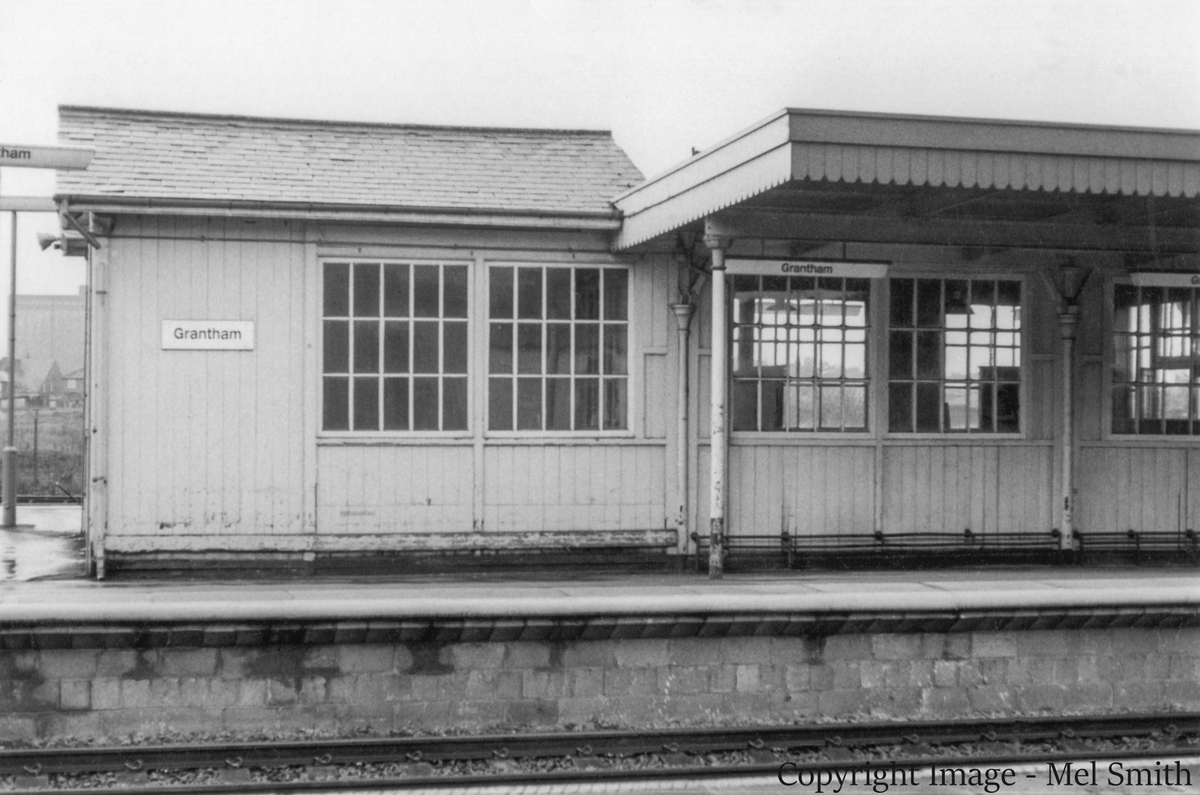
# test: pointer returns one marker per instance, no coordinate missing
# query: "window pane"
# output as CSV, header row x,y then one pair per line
x,y
558,348
395,290
900,357
500,404
800,410
956,363
771,410
929,407
337,346
395,404
454,404
500,287
831,360
902,303
831,301
956,408
900,408
366,346
558,293
1008,305
454,352
745,405
857,291
366,404
500,349
1123,415
558,404
1125,300
957,303
616,294
929,303
425,346
529,348
335,404
366,289
425,404
395,347
587,294
587,404
854,407
929,354
1008,408
614,349
831,407
856,360
425,290
529,404
337,289
587,348
744,347
614,404
454,291
529,293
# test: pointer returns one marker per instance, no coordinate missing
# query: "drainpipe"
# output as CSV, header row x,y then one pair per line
x,y
719,451
683,318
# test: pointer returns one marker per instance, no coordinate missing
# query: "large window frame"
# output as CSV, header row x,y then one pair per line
x,y
519,363
1153,344
383,333
798,352
927,382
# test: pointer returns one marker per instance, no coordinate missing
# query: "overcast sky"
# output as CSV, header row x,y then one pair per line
x,y
663,76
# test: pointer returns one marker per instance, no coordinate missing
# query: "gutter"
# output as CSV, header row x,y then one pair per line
x,y
428,216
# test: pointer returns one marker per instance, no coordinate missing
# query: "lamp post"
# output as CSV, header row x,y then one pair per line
x,y
21,156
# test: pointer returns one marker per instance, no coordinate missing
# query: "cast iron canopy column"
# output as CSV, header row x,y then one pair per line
x,y
719,364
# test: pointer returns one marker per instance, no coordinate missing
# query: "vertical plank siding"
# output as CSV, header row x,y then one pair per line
x,y
949,488
205,443
805,490
1138,488
382,490
592,486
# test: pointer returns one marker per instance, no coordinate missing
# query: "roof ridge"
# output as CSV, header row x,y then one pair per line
x,y
298,122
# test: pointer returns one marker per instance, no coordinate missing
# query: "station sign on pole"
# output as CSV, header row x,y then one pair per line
x,y
22,156
69,158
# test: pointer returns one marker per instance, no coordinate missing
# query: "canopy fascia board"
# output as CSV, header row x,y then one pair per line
x,y
743,224
342,213
918,151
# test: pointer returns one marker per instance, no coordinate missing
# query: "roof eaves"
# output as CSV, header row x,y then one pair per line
x,y
348,212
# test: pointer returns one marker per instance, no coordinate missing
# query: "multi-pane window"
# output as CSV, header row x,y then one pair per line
x,y
1156,377
800,353
954,356
394,347
558,342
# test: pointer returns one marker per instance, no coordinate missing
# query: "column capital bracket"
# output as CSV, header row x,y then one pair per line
x,y
717,242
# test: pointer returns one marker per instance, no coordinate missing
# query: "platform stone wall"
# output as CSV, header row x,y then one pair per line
x,y
417,687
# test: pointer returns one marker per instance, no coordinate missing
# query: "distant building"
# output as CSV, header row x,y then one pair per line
x,y
51,327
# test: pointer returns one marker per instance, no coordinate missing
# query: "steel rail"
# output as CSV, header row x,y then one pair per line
x,y
600,747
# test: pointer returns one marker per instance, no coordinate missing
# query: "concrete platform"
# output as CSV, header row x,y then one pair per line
x,y
47,543
515,596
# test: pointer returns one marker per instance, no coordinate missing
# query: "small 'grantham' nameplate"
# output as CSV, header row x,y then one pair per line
x,y
208,335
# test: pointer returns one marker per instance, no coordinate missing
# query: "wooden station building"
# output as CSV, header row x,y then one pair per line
x,y
313,340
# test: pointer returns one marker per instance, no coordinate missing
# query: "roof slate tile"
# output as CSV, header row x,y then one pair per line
x,y
171,156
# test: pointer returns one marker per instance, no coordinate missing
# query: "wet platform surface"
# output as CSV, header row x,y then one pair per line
x,y
47,543
42,577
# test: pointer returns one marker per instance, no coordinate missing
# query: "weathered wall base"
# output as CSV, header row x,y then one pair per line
x,y
425,685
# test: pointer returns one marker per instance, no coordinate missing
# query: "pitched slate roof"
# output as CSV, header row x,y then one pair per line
x,y
161,158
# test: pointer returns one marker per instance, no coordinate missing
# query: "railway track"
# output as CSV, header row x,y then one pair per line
x,y
427,762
